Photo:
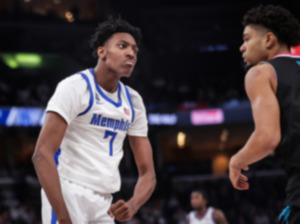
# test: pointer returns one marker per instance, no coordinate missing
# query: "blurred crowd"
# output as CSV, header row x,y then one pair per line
x,y
33,90
170,203
21,204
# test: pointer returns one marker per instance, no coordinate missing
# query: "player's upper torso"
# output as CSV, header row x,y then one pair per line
x,y
97,126
206,219
287,68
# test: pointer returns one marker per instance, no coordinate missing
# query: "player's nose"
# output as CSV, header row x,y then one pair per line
x,y
242,48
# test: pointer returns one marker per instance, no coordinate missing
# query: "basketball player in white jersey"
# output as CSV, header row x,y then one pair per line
x,y
202,214
87,119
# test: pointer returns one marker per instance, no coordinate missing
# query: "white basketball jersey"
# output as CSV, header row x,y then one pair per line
x,y
97,126
206,219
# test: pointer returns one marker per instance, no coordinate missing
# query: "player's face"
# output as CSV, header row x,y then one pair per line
x,y
253,48
197,201
121,54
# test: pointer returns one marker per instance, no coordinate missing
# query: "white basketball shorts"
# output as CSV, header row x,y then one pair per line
x,y
84,205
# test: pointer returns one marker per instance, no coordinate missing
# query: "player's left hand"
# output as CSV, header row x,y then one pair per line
x,y
239,181
122,211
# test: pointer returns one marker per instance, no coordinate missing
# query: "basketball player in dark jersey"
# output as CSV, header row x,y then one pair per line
x,y
272,84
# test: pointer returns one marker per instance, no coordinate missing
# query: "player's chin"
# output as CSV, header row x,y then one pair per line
x,y
126,73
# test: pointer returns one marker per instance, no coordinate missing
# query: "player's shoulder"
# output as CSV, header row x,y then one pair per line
x,y
75,78
74,81
215,210
260,70
134,95
218,214
131,90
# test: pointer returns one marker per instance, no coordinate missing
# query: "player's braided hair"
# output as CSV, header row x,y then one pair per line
x,y
107,28
278,20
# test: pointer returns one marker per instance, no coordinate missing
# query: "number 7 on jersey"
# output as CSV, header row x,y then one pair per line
x,y
113,136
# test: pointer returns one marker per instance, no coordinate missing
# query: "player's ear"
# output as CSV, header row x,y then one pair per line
x,y
270,40
101,52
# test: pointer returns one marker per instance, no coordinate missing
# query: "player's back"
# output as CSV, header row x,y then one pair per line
x,y
287,69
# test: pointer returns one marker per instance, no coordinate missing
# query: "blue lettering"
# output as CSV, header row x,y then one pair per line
x,y
126,126
122,124
110,122
96,119
103,121
114,124
117,125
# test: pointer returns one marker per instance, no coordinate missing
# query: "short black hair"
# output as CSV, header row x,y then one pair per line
x,y
202,192
278,20
107,28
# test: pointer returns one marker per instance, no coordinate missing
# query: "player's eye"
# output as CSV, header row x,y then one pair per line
x,y
246,39
135,50
122,46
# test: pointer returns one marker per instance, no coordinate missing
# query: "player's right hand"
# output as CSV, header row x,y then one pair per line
x,y
239,181
122,211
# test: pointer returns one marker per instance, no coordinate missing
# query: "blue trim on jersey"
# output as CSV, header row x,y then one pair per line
x,y
56,155
130,102
91,102
116,104
284,215
53,217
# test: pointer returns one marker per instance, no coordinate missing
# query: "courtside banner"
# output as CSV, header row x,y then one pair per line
x,y
34,117
207,117
21,116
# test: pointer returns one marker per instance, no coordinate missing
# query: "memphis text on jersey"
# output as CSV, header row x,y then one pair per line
x,y
115,124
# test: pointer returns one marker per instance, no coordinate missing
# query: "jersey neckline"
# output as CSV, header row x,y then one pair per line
x,y
98,87
287,55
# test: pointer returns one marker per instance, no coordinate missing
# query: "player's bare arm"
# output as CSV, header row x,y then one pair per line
x,y
219,217
142,151
48,143
260,85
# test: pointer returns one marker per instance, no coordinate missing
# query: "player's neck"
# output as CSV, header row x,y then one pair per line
x,y
280,49
201,212
108,80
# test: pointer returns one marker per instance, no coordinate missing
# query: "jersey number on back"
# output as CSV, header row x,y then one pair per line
x,y
113,136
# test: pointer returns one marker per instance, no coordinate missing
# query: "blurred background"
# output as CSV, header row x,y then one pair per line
x,y
190,75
